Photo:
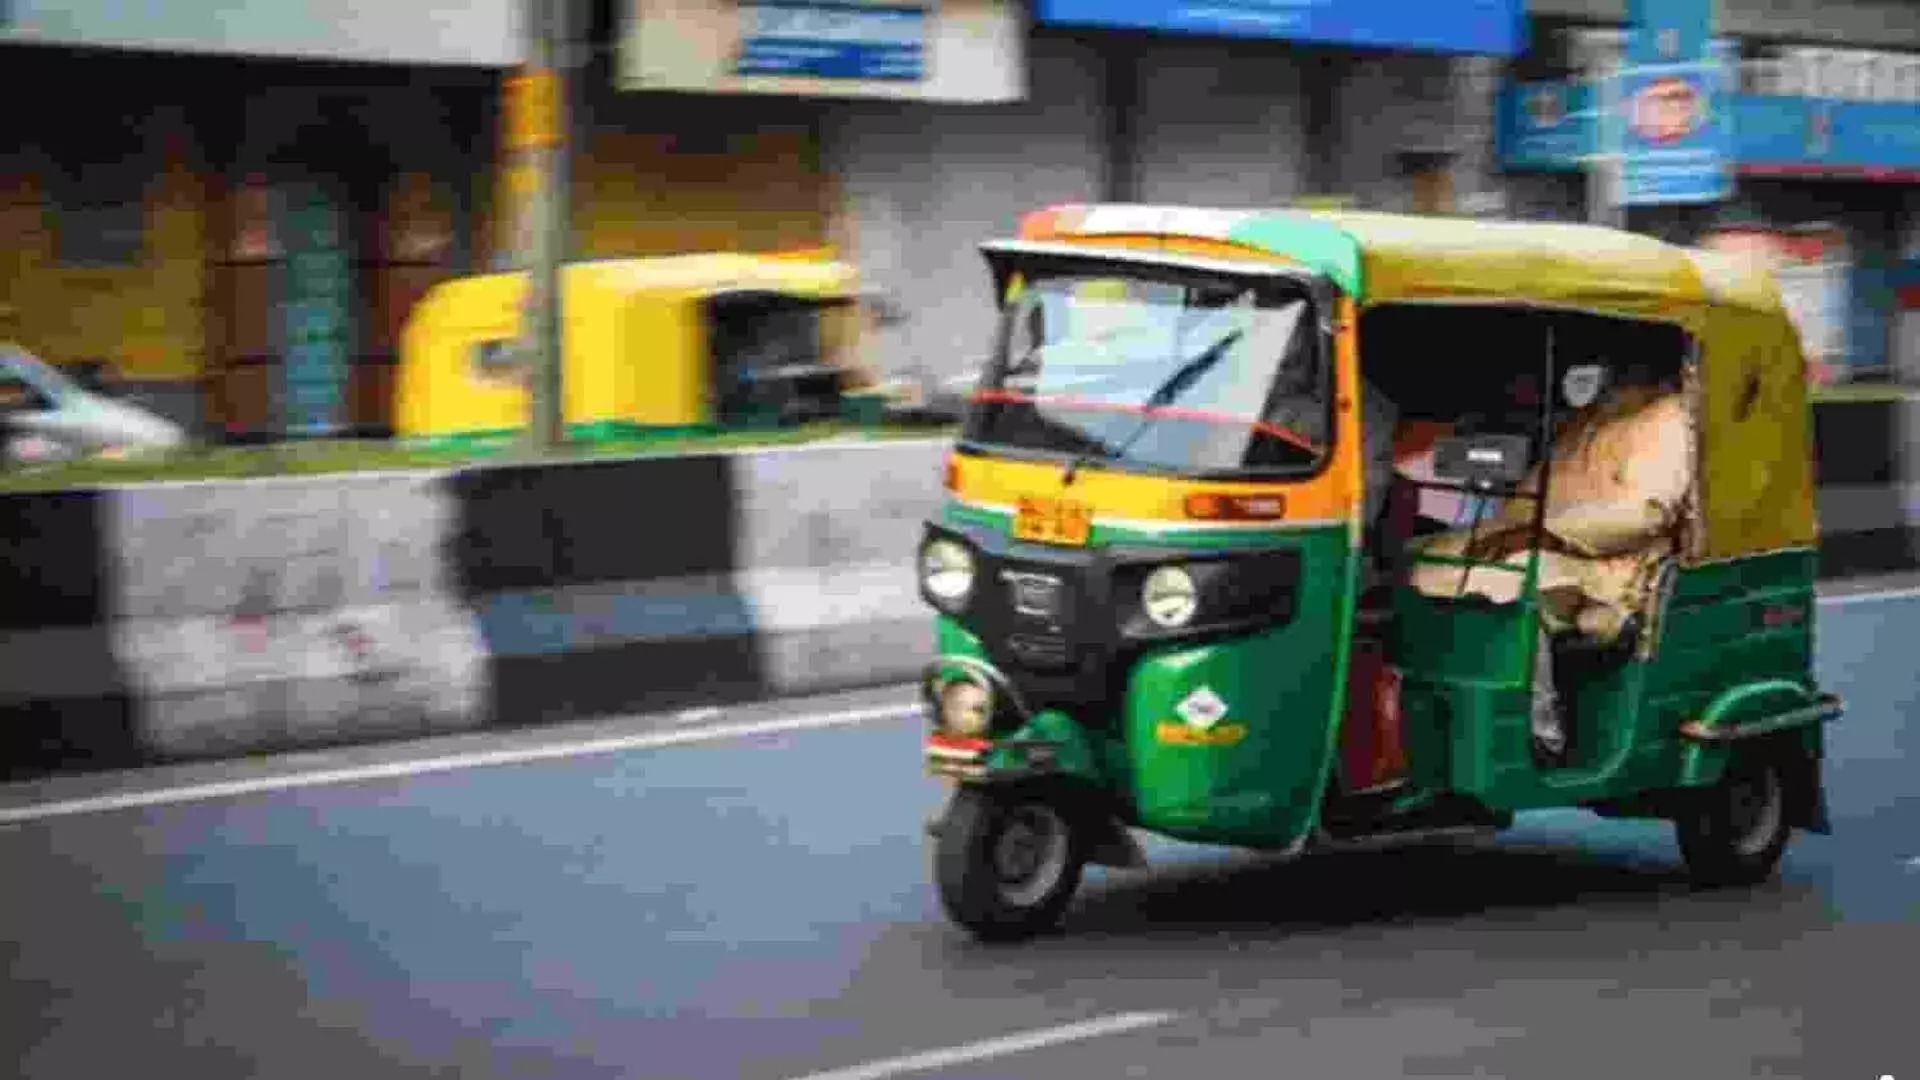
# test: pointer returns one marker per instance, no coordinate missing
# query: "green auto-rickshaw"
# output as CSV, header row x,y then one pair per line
x,y
1285,529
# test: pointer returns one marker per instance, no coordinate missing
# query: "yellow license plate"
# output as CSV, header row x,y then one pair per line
x,y
1053,521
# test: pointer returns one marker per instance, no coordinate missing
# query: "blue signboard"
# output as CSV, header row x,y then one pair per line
x,y
831,39
1487,27
1551,126
1668,31
1669,125
1840,138
1545,126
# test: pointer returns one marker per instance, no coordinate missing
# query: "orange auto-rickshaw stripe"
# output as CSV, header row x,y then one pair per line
x,y
1345,473
987,481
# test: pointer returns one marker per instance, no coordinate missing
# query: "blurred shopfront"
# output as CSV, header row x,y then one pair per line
x,y
1804,157
237,240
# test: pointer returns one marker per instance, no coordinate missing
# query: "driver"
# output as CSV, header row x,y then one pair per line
x,y
1379,421
1297,407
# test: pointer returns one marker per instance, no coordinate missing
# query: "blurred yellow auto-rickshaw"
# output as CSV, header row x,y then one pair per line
x,y
651,346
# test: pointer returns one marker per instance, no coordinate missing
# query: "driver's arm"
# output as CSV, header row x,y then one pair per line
x,y
1379,418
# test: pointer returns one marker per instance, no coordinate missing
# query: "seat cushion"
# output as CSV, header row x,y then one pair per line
x,y
1617,491
1594,596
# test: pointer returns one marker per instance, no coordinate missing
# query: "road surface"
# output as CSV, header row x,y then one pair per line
x,y
692,900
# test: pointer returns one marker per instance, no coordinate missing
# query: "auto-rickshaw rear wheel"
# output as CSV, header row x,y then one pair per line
x,y
1007,861
1735,832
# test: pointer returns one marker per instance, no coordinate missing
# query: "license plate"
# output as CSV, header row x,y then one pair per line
x,y
1053,521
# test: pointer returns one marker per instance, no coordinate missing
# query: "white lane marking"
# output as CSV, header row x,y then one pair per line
x,y
438,472
1838,599
391,770
989,1048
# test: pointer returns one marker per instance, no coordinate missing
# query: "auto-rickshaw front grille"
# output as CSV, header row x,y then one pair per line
x,y
1041,650
1045,621
1033,611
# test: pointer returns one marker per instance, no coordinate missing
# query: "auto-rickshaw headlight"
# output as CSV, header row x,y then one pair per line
x,y
946,571
1169,597
966,708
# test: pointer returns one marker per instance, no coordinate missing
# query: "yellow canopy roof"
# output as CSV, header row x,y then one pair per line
x,y
1383,258
700,275
1407,257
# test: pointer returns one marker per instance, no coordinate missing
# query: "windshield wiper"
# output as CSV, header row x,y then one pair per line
x,y
1163,395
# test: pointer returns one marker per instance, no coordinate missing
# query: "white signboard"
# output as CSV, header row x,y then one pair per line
x,y
962,51
467,33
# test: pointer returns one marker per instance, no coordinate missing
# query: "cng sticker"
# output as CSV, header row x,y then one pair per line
x,y
1185,735
1200,714
1202,709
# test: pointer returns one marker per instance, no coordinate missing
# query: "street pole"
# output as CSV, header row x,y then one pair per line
x,y
536,97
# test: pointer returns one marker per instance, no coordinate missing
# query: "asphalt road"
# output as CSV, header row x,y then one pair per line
x,y
756,907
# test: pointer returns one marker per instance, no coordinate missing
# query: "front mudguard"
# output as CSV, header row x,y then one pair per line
x,y
1107,840
1035,745
1045,752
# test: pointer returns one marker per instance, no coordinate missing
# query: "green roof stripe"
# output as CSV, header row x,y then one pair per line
x,y
1326,248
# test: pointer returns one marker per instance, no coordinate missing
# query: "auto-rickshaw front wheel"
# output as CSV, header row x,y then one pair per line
x,y
1736,831
1007,861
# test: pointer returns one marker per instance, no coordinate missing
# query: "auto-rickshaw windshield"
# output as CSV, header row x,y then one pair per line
x,y
1199,375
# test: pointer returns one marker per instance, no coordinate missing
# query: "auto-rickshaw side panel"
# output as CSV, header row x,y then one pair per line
x,y
1736,651
1736,648
1755,440
1251,771
1467,671
1748,619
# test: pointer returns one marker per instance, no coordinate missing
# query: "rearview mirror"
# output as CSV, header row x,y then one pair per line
x,y
1482,460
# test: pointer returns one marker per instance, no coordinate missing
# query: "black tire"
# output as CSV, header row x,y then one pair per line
x,y
1737,830
968,870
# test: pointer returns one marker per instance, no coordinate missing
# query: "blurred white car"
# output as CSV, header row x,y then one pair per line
x,y
45,415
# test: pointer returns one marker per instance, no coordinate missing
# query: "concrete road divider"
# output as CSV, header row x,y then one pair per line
x,y
64,698
606,588
826,540
288,613
188,620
